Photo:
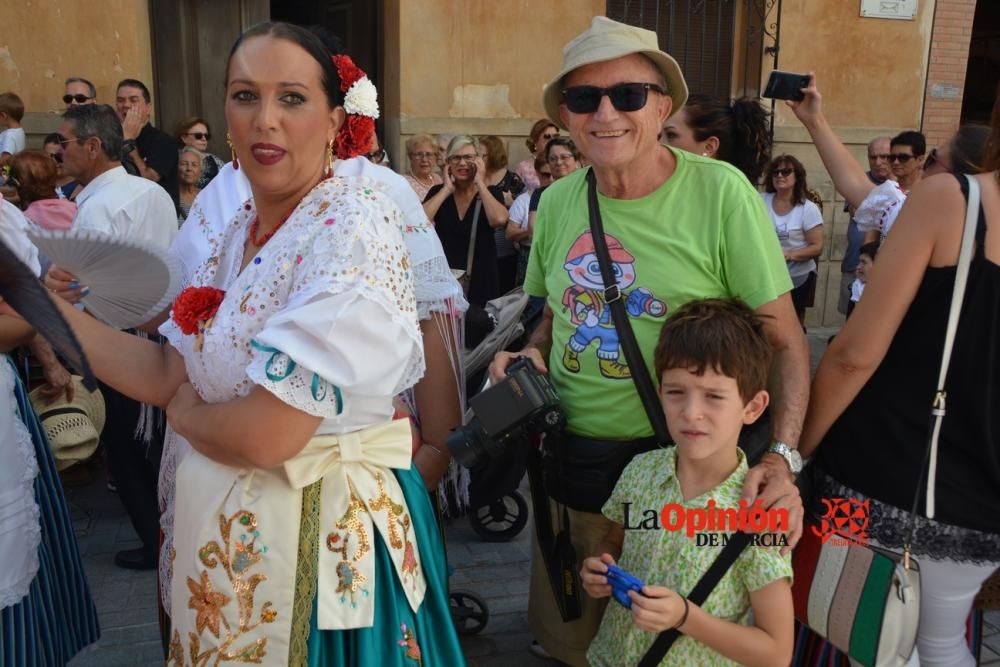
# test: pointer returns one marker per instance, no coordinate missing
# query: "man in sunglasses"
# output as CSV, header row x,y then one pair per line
x,y
79,91
678,227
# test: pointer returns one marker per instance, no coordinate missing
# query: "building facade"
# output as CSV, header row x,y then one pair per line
x,y
478,67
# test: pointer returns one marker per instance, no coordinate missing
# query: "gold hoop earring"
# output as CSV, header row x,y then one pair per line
x,y
329,159
232,152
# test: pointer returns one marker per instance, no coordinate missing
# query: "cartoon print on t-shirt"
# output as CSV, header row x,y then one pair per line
x,y
591,313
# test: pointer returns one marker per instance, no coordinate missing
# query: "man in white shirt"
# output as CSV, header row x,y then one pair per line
x,y
137,209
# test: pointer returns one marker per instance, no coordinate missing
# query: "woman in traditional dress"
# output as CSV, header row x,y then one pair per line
x,y
46,612
302,533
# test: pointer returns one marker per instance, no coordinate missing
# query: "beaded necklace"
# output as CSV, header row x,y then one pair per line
x,y
255,227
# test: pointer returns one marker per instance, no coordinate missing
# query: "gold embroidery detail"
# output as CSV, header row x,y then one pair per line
x,y
393,510
236,559
351,522
409,641
396,518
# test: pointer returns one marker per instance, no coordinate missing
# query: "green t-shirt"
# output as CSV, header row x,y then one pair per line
x,y
704,233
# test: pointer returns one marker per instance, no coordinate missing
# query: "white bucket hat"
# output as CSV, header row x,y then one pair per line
x,y
73,429
606,40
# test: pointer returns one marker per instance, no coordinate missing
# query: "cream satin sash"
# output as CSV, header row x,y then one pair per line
x,y
236,537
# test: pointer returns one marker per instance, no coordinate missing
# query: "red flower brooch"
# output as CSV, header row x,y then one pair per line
x,y
195,307
361,105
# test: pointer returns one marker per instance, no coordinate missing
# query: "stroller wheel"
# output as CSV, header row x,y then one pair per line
x,y
468,612
502,519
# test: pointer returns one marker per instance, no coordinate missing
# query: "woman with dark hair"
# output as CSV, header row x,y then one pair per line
x,y
736,132
301,532
962,153
67,186
34,175
541,132
873,390
563,158
194,132
799,225
510,184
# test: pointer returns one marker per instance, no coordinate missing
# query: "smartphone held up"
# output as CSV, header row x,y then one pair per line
x,y
786,86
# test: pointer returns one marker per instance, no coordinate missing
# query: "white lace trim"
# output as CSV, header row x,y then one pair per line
x,y
16,591
436,289
879,209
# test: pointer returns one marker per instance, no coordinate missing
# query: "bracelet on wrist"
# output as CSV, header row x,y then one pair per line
x,y
684,618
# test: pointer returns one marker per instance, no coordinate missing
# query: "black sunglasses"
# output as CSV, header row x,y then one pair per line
x,y
784,171
200,135
78,98
901,157
624,96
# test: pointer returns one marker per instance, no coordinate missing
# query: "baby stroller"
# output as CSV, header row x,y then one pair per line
x,y
497,511
498,519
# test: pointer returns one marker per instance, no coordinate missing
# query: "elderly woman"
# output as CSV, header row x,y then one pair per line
x,y
541,132
422,151
798,223
194,132
563,158
189,170
465,211
34,175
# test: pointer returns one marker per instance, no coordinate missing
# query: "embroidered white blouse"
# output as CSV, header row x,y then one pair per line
x,y
324,317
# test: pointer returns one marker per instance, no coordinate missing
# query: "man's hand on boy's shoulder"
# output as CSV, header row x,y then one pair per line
x,y
772,482
657,609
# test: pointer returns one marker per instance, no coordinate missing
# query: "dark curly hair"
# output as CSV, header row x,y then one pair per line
x,y
741,128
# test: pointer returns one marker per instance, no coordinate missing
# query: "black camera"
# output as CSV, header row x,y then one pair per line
x,y
524,403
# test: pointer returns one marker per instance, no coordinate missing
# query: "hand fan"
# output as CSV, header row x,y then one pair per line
x,y
130,282
24,293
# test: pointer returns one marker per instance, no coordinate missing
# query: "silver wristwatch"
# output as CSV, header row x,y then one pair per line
x,y
791,456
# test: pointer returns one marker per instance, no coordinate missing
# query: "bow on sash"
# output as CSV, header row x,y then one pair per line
x,y
359,491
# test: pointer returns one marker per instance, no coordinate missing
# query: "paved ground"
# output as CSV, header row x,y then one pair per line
x,y
498,573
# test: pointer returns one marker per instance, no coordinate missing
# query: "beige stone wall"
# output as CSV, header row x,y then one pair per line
x,y
872,74
475,67
45,41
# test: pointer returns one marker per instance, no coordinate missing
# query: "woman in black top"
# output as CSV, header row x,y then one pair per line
x,y
452,207
869,411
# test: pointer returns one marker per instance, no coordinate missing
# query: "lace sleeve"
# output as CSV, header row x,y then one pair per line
x,y
879,209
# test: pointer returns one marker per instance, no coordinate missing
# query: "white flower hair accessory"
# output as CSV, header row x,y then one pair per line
x,y
362,98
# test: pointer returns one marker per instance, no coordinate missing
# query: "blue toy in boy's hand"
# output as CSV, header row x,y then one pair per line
x,y
621,583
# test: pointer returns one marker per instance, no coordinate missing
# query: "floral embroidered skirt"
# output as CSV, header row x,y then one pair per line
x,y
399,637
57,617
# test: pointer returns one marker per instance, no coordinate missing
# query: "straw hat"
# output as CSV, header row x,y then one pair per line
x,y
607,40
73,429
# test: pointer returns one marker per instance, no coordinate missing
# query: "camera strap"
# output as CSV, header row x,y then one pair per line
x,y
613,297
650,402
558,554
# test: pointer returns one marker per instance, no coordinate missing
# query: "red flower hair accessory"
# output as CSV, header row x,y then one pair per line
x,y
195,305
361,105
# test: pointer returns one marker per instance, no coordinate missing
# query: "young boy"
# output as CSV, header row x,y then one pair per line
x,y
712,360
12,138
866,257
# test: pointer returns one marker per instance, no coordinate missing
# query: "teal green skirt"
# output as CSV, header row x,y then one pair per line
x,y
399,637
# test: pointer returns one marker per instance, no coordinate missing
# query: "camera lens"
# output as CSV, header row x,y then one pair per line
x,y
466,444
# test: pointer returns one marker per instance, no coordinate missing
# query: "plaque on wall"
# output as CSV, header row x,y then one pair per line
x,y
889,9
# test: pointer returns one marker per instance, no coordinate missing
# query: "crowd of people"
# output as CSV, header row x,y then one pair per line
x,y
277,450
